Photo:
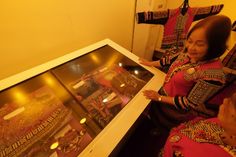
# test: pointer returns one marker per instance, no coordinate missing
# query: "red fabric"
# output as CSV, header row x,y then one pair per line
x,y
190,148
175,82
176,29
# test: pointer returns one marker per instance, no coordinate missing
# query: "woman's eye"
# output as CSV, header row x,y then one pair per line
x,y
200,45
189,41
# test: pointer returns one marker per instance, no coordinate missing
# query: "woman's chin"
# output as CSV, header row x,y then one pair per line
x,y
193,57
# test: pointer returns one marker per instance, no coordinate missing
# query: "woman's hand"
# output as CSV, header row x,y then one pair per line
x,y
145,62
150,63
229,70
151,94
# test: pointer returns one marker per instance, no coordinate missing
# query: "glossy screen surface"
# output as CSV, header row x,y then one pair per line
x,y
59,112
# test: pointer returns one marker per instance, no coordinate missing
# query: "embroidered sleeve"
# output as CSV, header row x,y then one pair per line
x,y
200,93
203,12
168,59
153,17
181,102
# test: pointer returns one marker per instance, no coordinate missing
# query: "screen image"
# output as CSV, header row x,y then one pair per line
x,y
59,112
37,119
103,82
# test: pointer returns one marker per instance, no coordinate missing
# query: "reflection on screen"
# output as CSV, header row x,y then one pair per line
x,y
59,112
103,82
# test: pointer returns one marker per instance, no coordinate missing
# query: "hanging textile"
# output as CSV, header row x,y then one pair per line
x,y
176,25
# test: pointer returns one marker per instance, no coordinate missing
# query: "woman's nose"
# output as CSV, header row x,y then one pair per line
x,y
191,47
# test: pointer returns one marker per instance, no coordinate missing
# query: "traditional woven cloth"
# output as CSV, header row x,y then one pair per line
x,y
175,24
198,138
192,84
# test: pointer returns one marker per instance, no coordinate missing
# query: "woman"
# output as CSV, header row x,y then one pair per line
x,y
194,76
212,137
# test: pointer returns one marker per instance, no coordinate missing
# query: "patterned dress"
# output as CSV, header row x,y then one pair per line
x,y
198,138
191,85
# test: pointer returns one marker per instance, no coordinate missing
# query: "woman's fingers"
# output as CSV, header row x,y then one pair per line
x,y
144,62
151,94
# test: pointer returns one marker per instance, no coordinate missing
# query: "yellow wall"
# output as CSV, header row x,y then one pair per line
x,y
33,32
145,35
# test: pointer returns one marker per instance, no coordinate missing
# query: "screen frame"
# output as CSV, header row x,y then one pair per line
x,y
106,141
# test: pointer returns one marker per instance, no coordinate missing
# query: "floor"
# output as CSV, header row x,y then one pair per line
x,y
140,141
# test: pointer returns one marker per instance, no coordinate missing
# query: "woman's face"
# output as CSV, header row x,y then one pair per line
x,y
227,114
197,45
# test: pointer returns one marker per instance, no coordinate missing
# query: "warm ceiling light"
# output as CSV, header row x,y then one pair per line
x,y
14,113
105,100
83,120
77,85
122,85
54,145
